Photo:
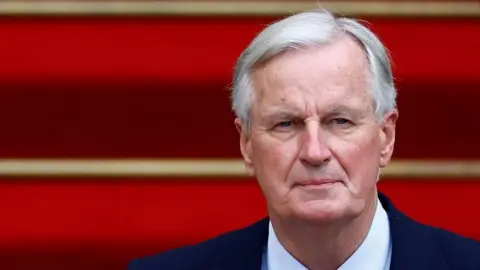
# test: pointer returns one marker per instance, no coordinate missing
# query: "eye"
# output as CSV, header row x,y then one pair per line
x,y
285,124
341,121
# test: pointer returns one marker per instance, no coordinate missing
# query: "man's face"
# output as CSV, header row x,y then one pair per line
x,y
315,145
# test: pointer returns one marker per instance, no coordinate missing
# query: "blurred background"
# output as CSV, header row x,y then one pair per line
x,y
117,138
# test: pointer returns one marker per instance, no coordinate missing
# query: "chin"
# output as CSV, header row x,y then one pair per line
x,y
321,211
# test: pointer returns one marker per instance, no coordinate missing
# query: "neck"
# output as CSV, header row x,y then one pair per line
x,y
324,246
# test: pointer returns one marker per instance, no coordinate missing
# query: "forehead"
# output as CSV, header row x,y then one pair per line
x,y
329,75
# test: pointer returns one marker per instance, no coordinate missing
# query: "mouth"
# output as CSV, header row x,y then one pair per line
x,y
318,183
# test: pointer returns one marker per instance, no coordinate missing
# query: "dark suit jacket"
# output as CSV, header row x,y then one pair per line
x,y
414,247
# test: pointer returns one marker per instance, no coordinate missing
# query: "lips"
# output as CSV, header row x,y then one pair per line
x,y
318,182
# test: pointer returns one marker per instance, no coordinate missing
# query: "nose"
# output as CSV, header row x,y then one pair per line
x,y
314,149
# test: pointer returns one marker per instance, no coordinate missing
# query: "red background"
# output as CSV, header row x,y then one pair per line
x,y
156,87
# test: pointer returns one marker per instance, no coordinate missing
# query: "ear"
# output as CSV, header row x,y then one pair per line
x,y
245,146
387,137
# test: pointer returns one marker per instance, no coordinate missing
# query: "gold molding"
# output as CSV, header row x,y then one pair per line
x,y
236,7
208,168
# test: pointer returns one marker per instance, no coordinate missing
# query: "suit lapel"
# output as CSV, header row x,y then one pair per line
x,y
413,246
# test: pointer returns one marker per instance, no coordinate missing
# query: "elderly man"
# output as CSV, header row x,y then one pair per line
x,y
315,103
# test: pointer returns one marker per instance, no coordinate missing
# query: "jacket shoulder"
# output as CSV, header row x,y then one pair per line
x,y
416,245
178,259
459,251
204,255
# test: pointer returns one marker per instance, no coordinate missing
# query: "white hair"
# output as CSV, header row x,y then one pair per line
x,y
304,30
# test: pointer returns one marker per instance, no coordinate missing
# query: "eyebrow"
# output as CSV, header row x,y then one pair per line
x,y
281,114
296,114
342,109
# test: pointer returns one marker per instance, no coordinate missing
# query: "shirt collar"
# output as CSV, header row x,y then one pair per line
x,y
374,253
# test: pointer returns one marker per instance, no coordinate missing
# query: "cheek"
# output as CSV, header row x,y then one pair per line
x,y
273,161
360,159
272,154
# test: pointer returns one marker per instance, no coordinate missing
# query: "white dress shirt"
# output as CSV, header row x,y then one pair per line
x,y
373,254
